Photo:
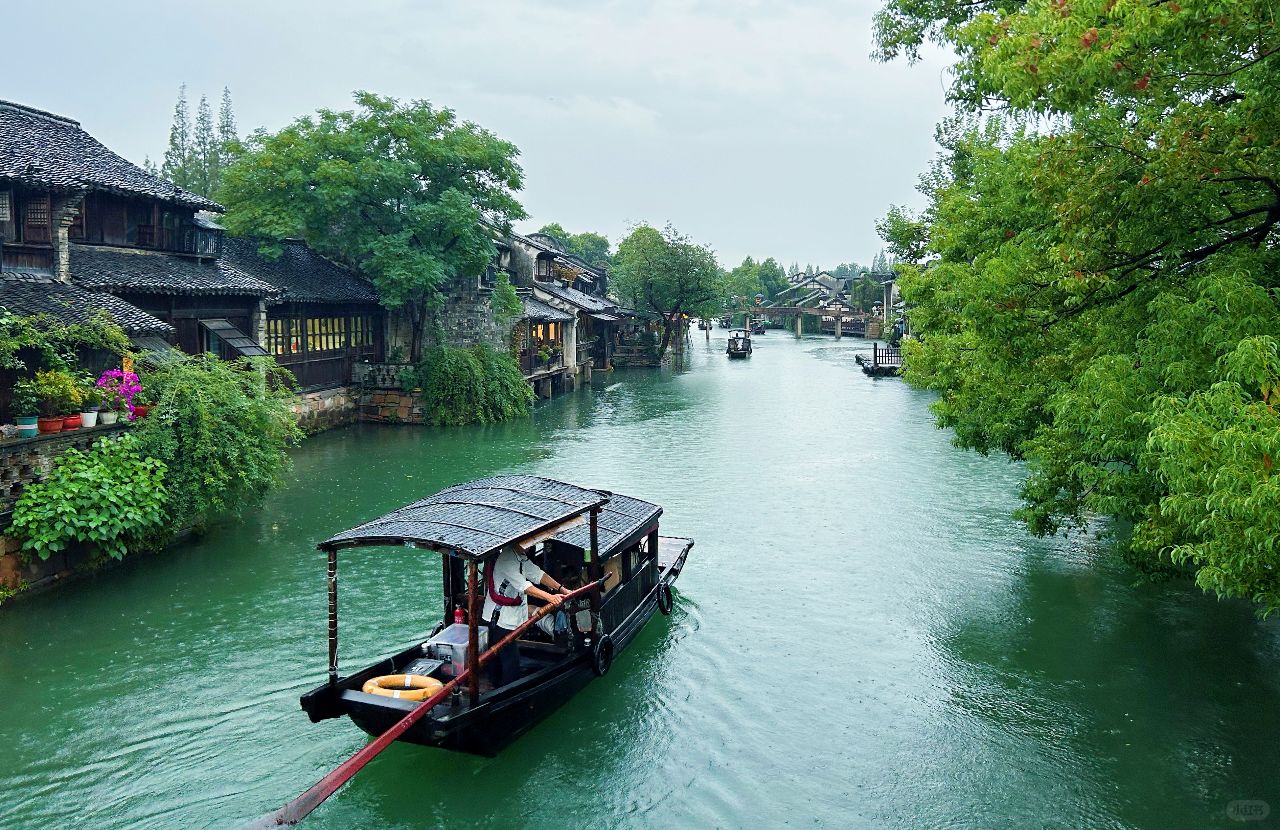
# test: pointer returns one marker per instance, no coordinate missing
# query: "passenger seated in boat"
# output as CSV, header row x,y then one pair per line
x,y
510,579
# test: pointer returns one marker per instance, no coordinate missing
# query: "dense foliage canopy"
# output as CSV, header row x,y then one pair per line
x,y
591,248
477,384
221,430
402,192
1095,276
668,274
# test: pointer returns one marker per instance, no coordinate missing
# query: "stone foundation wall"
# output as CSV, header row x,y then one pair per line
x,y
28,459
392,406
466,317
23,462
327,408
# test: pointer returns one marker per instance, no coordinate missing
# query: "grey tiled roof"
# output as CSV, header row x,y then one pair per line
x,y
70,304
586,302
472,520
150,272
538,310
300,274
46,150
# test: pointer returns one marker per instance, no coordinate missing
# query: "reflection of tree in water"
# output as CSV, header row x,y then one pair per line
x,y
1143,701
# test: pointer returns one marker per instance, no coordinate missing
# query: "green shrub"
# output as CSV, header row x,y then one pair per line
x,y
57,391
475,384
507,394
53,343
109,497
222,429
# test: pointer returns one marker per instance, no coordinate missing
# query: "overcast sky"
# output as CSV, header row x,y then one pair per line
x,y
760,128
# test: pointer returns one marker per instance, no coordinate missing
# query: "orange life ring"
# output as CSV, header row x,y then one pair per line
x,y
403,686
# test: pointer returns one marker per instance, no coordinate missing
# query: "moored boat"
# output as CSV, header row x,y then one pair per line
x,y
603,547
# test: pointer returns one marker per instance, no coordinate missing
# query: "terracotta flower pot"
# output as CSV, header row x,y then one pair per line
x,y
46,425
140,410
70,422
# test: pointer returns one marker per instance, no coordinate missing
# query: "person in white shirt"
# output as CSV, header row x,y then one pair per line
x,y
510,579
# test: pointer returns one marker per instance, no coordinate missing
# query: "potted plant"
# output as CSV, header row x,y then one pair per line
x,y
56,390
90,404
544,354
118,388
143,400
25,406
71,406
112,406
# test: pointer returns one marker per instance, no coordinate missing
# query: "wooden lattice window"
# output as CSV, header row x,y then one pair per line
x,y
35,222
283,336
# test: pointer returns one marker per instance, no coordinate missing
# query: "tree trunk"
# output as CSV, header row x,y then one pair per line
x,y
667,324
417,320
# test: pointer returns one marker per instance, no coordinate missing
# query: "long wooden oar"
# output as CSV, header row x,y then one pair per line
x,y
298,809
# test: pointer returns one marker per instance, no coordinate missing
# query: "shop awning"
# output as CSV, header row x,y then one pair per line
x,y
604,317
233,337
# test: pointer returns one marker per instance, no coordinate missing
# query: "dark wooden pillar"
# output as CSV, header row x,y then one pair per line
x,y
595,569
447,583
333,617
473,631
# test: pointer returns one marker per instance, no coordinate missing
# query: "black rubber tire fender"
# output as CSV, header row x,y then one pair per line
x,y
602,655
666,600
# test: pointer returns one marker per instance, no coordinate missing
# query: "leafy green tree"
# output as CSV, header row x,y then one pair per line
x,y
772,278
403,192
591,248
668,274
1095,276
206,161
176,166
228,138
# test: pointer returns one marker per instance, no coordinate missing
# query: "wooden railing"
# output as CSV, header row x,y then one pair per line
x,y
529,363
885,355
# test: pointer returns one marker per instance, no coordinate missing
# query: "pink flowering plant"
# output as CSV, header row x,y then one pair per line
x,y
119,388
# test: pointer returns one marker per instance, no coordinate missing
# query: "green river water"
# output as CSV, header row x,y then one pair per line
x,y
863,637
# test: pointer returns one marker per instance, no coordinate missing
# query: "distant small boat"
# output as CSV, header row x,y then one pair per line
x,y
757,327
739,344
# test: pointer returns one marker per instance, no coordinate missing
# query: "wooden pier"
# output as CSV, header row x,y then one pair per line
x,y
884,361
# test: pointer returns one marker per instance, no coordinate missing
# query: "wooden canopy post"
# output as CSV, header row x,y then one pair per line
x,y
473,632
333,616
447,582
595,570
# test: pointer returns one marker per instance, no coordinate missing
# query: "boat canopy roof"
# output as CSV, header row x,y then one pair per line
x,y
621,521
474,520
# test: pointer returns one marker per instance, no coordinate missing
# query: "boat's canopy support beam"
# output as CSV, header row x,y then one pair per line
x,y
473,631
333,617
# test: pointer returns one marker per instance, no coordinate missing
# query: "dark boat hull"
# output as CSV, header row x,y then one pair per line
x,y
501,715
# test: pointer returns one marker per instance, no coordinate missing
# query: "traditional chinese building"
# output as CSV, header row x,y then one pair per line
x,y
82,228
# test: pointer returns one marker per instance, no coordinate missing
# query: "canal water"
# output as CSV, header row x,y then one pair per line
x,y
862,638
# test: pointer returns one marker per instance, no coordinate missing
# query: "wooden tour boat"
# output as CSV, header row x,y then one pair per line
x,y
605,546
739,343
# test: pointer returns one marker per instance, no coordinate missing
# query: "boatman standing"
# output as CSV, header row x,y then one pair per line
x,y
510,579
